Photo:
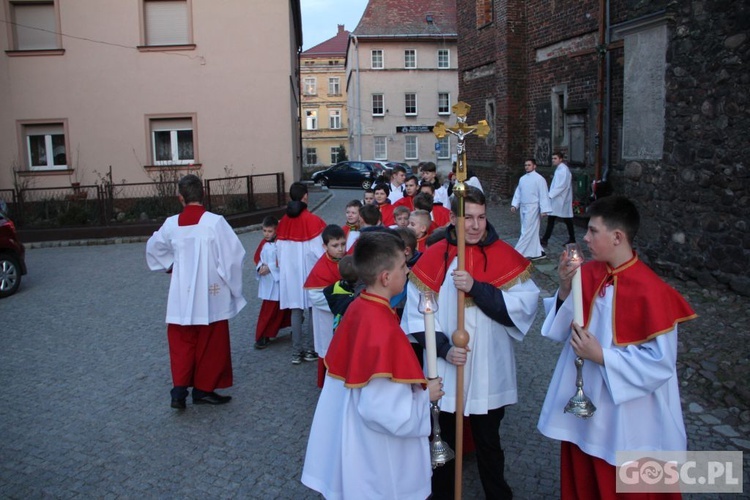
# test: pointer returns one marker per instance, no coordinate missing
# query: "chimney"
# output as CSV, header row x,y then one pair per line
x,y
341,29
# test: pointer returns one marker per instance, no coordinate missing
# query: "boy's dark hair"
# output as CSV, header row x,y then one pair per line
x,y
617,212
354,203
297,191
398,168
437,235
370,190
191,188
428,166
347,270
383,186
412,177
370,214
473,195
410,238
532,160
270,221
423,201
400,210
427,185
332,232
376,252
559,154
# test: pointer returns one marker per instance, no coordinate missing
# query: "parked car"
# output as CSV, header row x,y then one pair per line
x,y
390,164
12,258
350,173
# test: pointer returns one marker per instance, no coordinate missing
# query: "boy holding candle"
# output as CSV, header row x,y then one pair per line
x,y
373,404
628,338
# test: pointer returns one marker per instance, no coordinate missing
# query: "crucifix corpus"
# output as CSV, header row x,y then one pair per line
x,y
460,337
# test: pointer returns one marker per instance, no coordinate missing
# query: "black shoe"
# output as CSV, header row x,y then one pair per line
x,y
543,256
212,399
262,343
178,404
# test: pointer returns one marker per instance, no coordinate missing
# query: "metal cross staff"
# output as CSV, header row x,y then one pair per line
x,y
460,337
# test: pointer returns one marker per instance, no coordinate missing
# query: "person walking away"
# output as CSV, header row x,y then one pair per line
x,y
561,199
532,198
204,257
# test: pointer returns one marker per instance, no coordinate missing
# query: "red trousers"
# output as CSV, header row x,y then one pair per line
x,y
583,476
200,355
271,319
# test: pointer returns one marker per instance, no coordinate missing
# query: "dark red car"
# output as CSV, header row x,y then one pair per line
x,y
12,258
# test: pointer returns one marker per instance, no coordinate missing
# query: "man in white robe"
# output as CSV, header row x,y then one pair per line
x,y
561,199
501,305
532,198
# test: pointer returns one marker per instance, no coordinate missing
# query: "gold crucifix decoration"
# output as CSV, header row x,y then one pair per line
x,y
460,337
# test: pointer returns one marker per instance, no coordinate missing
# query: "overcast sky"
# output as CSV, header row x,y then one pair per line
x,y
320,19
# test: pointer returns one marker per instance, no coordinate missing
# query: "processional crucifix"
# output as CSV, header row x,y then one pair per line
x,y
460,337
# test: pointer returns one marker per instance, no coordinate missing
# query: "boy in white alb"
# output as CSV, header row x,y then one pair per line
x,y
270,318
369,436
629,344
532,198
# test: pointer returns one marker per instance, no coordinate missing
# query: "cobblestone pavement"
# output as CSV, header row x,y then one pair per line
x,y
85,370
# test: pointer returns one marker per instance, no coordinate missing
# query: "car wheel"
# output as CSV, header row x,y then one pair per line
x,y
10,275
324,181
366,184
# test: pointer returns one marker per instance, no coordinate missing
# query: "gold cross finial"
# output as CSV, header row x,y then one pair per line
x,y
461,130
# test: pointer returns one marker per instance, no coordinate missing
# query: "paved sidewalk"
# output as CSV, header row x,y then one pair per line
x,y
85,371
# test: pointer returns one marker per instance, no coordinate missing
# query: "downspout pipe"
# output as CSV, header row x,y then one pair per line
x,y
601,53
608,105
357,97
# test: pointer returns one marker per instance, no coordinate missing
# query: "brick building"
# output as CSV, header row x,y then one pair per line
x,y
672,80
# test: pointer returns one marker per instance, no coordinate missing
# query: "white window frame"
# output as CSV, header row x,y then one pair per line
x,y
411,142
310,86
334,119
308,153
445,148
382,104
407,96
447,109
447,58
34,25
334,85
335,150
167,23
47,130
173,125
377,59
311,119
410,58
380,147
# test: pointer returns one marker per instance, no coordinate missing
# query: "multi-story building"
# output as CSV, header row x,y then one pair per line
x,y
401,77
324,110
651,96
147,86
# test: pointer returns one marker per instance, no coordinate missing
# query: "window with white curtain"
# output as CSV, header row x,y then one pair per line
x,y
380,151
334,118
411,147
45,146
172,141
166,22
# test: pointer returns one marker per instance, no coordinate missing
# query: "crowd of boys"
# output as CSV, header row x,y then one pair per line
x,y
359,284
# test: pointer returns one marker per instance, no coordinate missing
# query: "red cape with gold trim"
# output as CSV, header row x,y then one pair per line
x,y
496,263
325,272
369,343
304,227
643,306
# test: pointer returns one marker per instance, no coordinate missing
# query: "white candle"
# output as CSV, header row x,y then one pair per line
x,y
430,344
577,298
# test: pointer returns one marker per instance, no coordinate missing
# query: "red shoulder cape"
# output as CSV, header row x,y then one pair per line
x,y
406,201
325,272
349,227
497,264
256,257
644,306
386,214
304,227
190,215
441,216
369,343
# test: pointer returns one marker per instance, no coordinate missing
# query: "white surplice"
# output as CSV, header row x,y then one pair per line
x,y
322,321
296,260
207,258
532,198
370,442
561,192
268,285
636,392
490,370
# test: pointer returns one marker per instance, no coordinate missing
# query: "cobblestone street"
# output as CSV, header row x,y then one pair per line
x,y
85,369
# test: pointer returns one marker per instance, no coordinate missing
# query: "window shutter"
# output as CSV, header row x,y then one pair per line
x,y
36,26
166,23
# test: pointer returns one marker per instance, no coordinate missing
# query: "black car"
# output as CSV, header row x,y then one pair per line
x,y
12,258
350,173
